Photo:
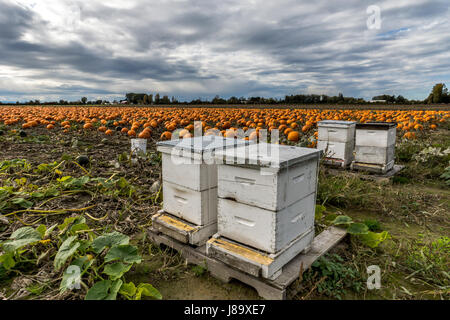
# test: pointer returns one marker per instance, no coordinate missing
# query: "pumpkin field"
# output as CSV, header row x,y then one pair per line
x,y
70,195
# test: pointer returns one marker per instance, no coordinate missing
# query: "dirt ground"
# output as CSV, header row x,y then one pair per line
x,y
414,208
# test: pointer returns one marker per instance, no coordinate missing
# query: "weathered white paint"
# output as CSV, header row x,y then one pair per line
x,y
375,155
190,177
267,230
272,156
195,176
375,137
337,150
336,131
266,189
199,207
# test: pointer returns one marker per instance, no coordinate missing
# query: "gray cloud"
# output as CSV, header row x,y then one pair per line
x,y
193,49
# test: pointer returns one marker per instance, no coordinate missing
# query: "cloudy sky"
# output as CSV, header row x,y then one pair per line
x,y
67,49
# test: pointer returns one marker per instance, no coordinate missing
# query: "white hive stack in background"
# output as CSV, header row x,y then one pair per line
x,y
337,140
375,146
266,206
190,187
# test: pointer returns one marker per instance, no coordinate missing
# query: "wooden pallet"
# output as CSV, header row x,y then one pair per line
x,y
268,289
380,178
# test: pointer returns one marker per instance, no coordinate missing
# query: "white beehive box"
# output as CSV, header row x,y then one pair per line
x,y
268,176
336,130
375,155
267,191
337,150
267,230
198,207
337,139
195,176
190,176
375,134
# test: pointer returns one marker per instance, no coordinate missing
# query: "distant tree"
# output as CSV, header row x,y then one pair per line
x,y
150,98
129,97
401,99
83,100
157,98
145,99
135,98
218,100
438,94
165,100
233,100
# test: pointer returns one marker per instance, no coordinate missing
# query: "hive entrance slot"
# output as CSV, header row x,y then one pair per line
x,y
244,181
298,178
245,222
181,199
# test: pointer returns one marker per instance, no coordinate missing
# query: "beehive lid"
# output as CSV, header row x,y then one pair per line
x,y
266,155
376,125
336,123
199,145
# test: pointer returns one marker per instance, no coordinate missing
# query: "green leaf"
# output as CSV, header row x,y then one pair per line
x,y
49,230
66,223
115,287
41,229
79,227
52,192
319,212
146,289
7,260
109,240
67,249
122,183
20,238
64,179
116,270
342,220
373,239
104,290
21,181
73,224
84,245
38,195
358,228
25,233
126,253
128,290
99,291
22,202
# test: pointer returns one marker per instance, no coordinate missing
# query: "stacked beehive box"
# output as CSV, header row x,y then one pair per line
x,y
337,139
190,187
266,206
375,146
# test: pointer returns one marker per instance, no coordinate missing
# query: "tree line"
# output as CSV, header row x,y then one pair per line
x,y
438,94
